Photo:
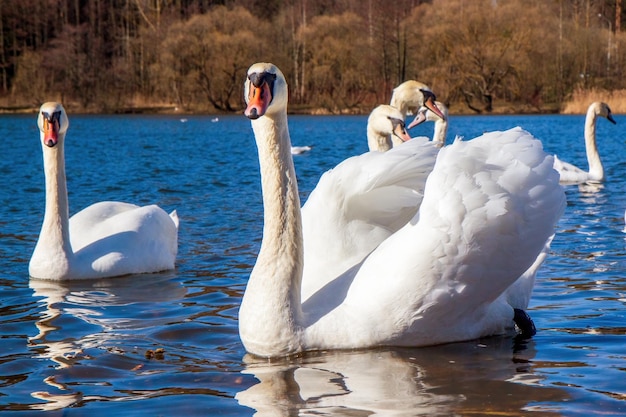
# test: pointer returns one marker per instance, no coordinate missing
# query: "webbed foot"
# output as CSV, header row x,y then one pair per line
x,y
524,323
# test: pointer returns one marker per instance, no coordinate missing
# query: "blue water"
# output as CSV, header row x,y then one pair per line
x,y
167,344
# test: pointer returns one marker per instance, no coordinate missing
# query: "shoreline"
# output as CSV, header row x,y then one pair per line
x,y
501,110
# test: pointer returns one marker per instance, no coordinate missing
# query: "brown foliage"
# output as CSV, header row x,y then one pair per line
x,y
339,56
205,58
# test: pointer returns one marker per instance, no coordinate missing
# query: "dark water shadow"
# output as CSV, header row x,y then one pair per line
x,y
76,307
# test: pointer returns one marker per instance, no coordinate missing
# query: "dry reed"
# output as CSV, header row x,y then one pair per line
x,y
581,99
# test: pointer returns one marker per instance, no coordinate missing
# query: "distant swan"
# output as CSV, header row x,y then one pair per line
x,y
297,150
571,174
489,209
441,124
103,240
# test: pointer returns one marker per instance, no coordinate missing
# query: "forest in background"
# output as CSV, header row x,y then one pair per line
x,y
339,56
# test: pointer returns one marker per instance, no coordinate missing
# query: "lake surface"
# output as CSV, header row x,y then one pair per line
x,y
167,344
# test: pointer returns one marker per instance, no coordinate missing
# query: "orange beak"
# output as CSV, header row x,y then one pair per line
x,y
430,105
50,131
259,98
419,119
400,131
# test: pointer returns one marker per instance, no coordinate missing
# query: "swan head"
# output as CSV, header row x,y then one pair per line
x,y
52,122
424,114
385,121
411,95
602,109
265,91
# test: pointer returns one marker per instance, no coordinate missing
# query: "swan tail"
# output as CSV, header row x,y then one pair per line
x,y
174,217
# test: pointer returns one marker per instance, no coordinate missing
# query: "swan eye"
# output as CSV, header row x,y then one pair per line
x,y
397,122
258,79
428,95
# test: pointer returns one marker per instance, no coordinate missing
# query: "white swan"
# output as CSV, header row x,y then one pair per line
x,y
441,124
105,239
385,128
489,207
571,174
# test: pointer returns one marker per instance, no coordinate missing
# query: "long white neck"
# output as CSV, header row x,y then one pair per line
x,y
440,131
378,142
53,252
271,312
593,157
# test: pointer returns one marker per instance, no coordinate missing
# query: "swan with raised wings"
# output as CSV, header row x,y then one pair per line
x,y
105,239
571,174
440,130
489,209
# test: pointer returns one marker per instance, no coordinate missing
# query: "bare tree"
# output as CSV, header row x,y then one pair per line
x,y
337,77
207,57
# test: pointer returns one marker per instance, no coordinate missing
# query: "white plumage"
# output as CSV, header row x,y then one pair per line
x,y
488,212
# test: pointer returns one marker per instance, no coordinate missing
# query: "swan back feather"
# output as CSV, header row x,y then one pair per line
x,y
358,204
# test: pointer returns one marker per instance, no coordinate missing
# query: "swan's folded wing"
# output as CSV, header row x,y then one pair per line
x,y
358,204
374,187
490,207
499,198
124,238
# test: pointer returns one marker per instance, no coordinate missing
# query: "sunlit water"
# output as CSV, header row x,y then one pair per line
x,y
167,344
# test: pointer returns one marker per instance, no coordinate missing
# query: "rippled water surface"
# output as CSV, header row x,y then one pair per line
x,y
167,344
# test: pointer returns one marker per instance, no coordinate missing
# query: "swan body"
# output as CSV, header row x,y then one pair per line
x,y
441,124
488,212
105,239
571,174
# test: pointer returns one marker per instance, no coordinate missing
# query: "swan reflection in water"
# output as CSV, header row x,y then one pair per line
x,y
456,379
66,301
